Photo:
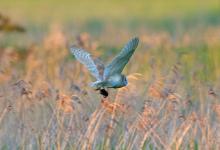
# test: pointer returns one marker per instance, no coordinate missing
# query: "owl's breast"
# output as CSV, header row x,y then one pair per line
x,y
115,78
115,81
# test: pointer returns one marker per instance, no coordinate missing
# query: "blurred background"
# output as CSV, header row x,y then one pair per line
x,y
95,17
127,12
46,102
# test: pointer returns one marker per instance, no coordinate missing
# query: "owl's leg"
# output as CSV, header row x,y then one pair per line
x,y
103,92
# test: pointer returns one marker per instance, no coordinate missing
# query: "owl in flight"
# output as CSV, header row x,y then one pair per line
x,y
109,76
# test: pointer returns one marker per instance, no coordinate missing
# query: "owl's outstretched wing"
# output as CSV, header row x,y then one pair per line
x,y
118,63
85,58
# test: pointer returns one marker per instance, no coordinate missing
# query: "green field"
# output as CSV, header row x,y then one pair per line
x,y
171,101
107,10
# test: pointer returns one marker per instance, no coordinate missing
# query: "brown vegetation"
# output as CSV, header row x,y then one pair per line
x,y
46,101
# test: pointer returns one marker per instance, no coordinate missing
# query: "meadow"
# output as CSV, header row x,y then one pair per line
x,y
172,97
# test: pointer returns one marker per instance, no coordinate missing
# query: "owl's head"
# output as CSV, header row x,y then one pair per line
x,y
124,80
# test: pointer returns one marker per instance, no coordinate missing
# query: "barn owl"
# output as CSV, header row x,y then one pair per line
x,y
109,76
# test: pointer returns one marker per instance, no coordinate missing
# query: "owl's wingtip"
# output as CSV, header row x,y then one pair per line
x,y
135,39
73,46
73,49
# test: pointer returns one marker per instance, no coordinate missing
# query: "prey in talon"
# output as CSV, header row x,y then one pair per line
x,y
103,92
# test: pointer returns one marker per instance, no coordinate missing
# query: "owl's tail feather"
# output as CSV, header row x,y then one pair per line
x,y
97,85
100,85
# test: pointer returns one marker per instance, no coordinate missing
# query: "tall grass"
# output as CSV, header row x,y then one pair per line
x,y
171,103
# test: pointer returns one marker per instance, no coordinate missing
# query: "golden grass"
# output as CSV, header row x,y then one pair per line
x,y
48,104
